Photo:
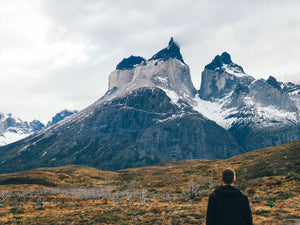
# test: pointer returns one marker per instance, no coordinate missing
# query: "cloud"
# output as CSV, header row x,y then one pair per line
x,y
58,54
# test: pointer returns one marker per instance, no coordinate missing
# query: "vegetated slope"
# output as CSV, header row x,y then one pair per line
x,y
166,193
282,160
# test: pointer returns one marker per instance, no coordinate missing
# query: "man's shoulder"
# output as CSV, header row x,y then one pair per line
x,y
228,190
240,193
244,196
215,191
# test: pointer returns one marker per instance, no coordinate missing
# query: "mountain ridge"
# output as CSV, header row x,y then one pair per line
x,y
13,129
152,112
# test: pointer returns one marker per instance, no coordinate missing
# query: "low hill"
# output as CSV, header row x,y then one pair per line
x,y
166,193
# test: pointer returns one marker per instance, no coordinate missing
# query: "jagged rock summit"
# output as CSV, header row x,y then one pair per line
x,y
222,61
165,70
172,51
273,82
221,76
130,62
61,115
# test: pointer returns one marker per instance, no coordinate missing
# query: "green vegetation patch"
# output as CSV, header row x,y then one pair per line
x,y
283,195
17,211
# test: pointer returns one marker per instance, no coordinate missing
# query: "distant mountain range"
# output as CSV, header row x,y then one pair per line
x,y
258,113
153,113
13,129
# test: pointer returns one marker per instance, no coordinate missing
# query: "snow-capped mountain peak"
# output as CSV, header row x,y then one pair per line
x,y
13,128
249,108
221,76
165,70
61,115
223,62
273,82
171,51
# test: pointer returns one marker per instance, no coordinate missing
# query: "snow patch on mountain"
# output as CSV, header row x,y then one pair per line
x,y
293,91
13,128
172,95
262,116
270,115
10,137
236,71
214,111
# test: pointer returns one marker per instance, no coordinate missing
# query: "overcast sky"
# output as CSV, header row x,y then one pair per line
x,y
58,54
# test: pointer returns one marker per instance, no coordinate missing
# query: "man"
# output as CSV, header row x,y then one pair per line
x,y
227,205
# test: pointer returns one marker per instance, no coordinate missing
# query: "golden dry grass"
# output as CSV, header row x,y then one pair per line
x,y
159,194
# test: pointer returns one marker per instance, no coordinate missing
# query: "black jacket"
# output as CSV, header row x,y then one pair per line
x,y
227,205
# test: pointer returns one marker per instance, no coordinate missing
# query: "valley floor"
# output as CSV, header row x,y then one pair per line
x,y
167,193
162,209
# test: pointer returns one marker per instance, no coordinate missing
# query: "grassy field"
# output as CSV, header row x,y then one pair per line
x,y
166,193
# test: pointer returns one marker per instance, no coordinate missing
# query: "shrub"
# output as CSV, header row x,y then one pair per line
x,y
16,211
262,212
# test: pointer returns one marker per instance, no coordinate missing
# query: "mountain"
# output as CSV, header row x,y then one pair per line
x,y
61,115
153,113
258,113
220,77
13,128
145,117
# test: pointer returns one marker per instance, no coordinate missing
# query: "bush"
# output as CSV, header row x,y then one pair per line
x,y
16,211
262,212
283,195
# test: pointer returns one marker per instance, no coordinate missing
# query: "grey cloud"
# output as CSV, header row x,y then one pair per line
x,y
261,36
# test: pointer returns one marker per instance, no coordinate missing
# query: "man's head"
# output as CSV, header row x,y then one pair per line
x,y
228,176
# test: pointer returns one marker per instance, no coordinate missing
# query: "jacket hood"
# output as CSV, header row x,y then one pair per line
x,y
228,191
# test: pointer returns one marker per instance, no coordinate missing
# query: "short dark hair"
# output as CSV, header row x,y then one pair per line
x,y
228,175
